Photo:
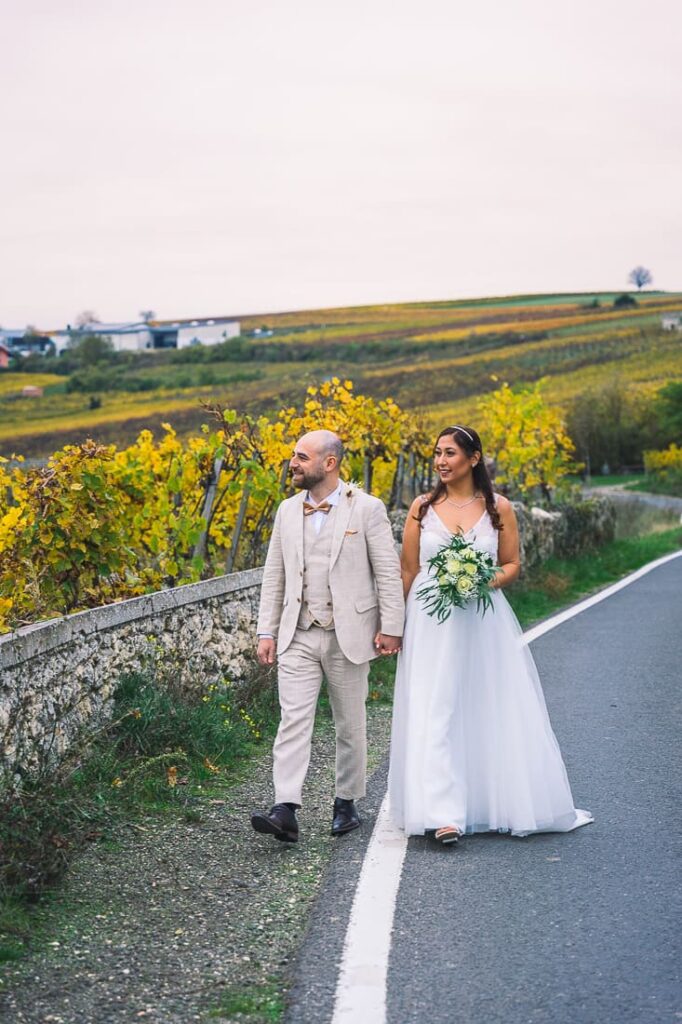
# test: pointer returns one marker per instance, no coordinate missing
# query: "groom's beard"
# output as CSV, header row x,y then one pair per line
x,y
305,480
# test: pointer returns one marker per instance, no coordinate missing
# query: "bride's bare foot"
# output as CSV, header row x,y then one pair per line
x,y
447,835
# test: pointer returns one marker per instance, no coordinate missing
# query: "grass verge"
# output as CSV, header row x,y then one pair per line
x,y
159,754
560,582
262,1005
669,485
628,480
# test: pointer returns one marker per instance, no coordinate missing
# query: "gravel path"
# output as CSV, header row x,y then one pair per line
x,y
172,920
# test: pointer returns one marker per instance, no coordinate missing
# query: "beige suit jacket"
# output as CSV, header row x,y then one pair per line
x,y
364,575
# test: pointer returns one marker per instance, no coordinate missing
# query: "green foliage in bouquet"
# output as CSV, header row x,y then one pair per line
x,y
458,575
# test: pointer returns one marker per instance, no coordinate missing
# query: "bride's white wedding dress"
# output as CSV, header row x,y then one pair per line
x,y
472,744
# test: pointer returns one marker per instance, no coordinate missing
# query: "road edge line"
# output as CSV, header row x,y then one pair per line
x,y
367,944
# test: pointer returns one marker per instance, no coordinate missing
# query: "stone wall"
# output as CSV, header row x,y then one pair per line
x,y
566,532
58,677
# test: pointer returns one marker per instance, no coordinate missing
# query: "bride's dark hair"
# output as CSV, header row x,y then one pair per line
x,y
470,442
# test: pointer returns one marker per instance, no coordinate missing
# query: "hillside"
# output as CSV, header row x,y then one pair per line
x,y
440,357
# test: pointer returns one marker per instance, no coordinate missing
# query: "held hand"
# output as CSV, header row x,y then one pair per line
x,y
266,651
386,644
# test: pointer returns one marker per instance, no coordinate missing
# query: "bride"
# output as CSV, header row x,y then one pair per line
x,y
472,748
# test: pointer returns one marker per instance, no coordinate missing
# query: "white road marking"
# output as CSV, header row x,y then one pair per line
x,y
361,987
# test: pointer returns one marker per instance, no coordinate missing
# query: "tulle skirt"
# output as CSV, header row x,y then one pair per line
x,y
472,744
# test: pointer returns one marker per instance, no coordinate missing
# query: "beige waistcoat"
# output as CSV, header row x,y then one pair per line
x,y
316,606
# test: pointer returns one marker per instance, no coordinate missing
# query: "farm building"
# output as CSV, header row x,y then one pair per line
x,y
128,337
136,337
672,322
25,342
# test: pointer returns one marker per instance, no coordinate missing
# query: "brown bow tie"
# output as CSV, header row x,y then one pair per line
x,y
308,509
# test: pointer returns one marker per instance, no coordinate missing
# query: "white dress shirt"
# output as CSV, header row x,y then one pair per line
x,y
317,519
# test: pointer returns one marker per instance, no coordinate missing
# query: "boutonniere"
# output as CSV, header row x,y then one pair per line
x,y
352,488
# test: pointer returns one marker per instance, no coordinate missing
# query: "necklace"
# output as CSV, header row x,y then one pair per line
x,y
464,504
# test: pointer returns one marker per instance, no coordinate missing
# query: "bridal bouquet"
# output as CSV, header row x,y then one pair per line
x,y
458,574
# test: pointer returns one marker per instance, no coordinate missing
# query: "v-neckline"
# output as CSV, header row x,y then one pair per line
x,y
452,532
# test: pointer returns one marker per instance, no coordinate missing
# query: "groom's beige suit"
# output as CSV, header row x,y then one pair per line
x,y
328,588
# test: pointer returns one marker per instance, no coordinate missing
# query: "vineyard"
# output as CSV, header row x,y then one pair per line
x,y
438,358
98,523
138,488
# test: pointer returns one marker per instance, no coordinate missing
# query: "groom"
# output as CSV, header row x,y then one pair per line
x,y
331,600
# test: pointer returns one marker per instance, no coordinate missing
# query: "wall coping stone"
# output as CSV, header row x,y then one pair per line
x,y
42,637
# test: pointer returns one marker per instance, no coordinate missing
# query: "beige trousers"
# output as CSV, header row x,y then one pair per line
x,y
312,653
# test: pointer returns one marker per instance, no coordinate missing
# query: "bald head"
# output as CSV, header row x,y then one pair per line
x,y
315,462
325,442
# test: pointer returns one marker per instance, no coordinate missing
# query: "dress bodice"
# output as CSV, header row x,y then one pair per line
x,y
434,534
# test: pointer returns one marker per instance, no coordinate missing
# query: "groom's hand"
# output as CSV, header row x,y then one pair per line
x,y
386,644
266,650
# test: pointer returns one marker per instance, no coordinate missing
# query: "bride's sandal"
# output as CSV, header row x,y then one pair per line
x,y
447,835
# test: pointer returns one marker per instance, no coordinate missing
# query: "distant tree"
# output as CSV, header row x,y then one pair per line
x,y
612,424
87,318
623,301
640,276
91,349
147,314
669,408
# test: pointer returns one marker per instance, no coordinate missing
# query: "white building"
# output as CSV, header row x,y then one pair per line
x,y
137,337
672,322
23,342
205,332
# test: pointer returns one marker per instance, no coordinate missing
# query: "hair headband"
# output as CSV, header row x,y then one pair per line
x,y
463,431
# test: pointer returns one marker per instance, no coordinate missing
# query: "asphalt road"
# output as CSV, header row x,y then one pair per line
x,y
582,927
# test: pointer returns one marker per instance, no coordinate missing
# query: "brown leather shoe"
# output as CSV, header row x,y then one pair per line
x,y
345,817
280,823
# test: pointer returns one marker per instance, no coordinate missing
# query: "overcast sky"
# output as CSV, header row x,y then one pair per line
x,y
221,157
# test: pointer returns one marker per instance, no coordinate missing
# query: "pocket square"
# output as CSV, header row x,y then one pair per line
x,y
350,533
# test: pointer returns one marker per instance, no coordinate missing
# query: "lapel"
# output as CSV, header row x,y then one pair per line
x,y
344,511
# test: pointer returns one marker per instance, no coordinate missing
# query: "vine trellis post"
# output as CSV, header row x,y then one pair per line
x,y
367,473
201,546
284,475
396,497
238,526
412,476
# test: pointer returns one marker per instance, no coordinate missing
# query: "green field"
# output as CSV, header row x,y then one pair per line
x,y
437,357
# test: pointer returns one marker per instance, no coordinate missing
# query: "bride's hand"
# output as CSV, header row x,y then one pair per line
x,y
386,644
